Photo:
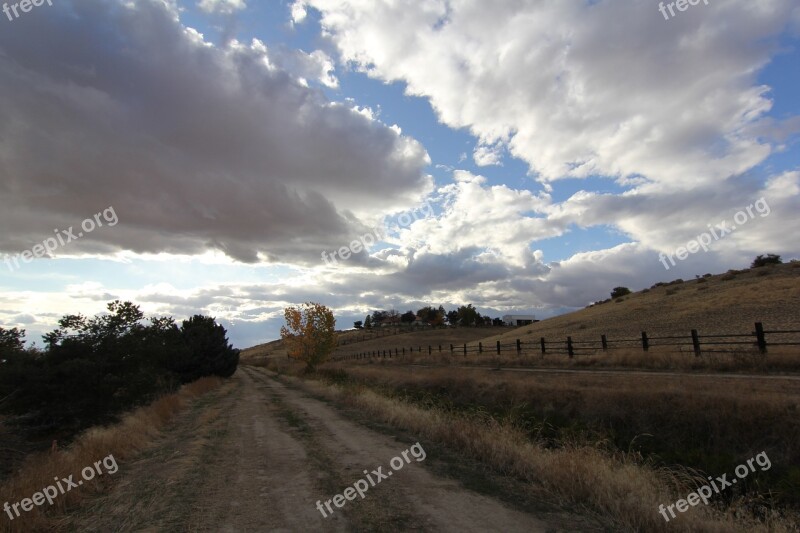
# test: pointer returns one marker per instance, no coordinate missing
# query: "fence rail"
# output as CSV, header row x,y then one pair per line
x,y
694,342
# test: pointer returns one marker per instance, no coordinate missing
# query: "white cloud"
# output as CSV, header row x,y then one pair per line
x,y
298,11
485,156
671,101
222,6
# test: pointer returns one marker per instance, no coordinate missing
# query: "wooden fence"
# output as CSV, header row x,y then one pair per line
x,y
755,340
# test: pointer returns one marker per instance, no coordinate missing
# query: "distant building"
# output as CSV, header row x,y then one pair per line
x,y
519,320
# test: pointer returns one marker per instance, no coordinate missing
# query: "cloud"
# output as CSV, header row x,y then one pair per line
x,y
671,102
298,11
485,156
235,149
222,6
196,147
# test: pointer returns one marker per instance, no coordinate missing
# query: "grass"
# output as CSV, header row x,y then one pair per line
x,y
728,303
780,359
618,484
124,440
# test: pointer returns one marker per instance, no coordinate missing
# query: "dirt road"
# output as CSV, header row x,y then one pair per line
x,y
258,455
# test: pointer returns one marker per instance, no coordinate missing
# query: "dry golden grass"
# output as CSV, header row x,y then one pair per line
x,y
726,303
377,339
617,486
779,359
124,440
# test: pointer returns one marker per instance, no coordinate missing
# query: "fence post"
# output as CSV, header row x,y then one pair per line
x,y
440,348
480,347
498,347
696,342
429,349
645,342
404,350
451,349
519,347
604,342
465,349
541,341
761,339
570,350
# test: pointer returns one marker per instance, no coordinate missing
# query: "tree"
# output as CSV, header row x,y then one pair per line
x,y
368,322
452,317
96,367
432,316
11,339
309,333
498,322
378,317
468,315
408,317
618,292
358,324
441,315
770,259
208,343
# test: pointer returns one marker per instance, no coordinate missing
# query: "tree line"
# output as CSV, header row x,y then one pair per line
x,y
466,316
94,368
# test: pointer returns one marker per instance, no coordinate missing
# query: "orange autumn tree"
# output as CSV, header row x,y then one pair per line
x,y
309,333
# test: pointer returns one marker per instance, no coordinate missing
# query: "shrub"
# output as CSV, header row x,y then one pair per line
x,y
211,355
619,292
769,259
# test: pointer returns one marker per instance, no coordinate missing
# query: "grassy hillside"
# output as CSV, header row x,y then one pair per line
x,y
725,303
382,339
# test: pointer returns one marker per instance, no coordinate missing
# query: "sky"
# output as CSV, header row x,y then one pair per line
x,y
524,156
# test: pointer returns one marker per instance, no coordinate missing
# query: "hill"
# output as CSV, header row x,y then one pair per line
x,y
724,303
381,339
